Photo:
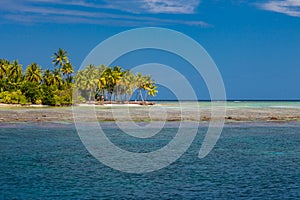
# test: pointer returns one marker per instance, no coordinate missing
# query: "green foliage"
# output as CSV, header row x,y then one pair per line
x,y
33,73
113,83
15,72
55,87
63,97
4,65
32,91
15,97
60,58
4,85
48,95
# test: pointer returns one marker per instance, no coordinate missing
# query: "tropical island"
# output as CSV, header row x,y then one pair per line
x,y
94,84
103,85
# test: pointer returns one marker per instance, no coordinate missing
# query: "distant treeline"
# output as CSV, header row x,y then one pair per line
x,y
55,87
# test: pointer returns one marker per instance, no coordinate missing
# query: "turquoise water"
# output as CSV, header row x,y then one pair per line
x,y
235,104
250,161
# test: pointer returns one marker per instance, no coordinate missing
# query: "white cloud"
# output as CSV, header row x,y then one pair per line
x,y
91,12
172,6
288,7
133,6
155,6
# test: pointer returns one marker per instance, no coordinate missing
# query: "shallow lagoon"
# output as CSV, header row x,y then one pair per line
x,y
48,161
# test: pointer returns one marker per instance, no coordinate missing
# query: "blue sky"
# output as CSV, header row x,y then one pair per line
x,y
255,44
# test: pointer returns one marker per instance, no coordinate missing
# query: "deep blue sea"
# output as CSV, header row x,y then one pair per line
x,y
250,161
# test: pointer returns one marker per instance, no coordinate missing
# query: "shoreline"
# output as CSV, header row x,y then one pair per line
x,y
24,106
108,103
138,113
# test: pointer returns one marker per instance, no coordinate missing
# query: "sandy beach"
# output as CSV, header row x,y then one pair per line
x,y
11,114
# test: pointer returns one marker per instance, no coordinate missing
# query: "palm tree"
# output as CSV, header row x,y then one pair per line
x,y
140,84
60,58
101,81
67,70
91,80
48,77
4,65
86,80
15,71
33,73
57,79
108,78
145,84
152,90
117,74
127,84
80,80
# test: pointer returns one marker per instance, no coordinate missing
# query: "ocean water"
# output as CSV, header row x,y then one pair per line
x,y
233,104
250,161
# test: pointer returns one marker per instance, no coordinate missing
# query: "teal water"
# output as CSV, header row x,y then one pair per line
x,y
233,104
250,161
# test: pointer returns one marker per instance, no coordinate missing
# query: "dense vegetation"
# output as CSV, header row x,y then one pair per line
x,y
106,83
55,87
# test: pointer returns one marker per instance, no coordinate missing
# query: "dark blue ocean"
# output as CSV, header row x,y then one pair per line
x,y
250,161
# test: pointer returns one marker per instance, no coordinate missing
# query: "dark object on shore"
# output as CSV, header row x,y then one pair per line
x,y
273,118
144,103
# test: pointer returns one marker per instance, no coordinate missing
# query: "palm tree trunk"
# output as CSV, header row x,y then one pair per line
x,y
146,96
136,96
90,97
110,98
141,95
103,94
